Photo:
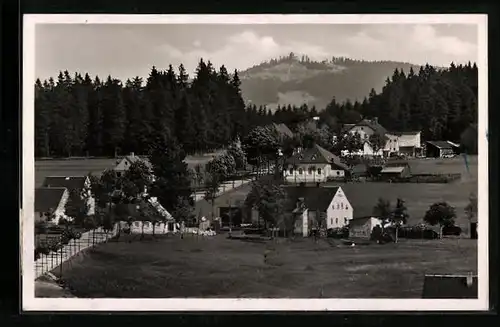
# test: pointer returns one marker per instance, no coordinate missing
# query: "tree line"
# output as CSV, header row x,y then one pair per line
x,y
78,116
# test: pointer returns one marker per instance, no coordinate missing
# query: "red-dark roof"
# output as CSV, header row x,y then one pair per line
x,y
315,198
441,144
48,198
69,182
316,155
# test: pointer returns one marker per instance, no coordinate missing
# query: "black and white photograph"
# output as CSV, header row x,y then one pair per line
x,y
255,162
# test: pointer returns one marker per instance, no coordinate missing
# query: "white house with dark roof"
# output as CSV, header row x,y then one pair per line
x,y
315,164
80,184
326,207
407,143
124,164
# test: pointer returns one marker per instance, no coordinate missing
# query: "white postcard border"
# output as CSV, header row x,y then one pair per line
x,y
30,303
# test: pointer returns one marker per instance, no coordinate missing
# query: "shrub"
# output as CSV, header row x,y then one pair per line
x,y
452,230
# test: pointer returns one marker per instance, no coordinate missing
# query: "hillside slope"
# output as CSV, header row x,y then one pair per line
x,y
296,81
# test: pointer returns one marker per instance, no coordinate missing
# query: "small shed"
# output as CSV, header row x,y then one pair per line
x,y
391,172
450,287
362,227
441,149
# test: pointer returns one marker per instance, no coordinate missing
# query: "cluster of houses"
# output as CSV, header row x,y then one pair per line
x,y
309,205
52,197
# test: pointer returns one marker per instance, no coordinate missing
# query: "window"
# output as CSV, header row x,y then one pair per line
x,y
338,172
319,171
361,128
336,221
291,171
313,157
342,206
338,206
331,221
309,171
345,220
300,171
136,224
119,174
346,207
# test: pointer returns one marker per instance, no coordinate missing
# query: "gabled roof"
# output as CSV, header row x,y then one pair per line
x,y
449,287
374,125
441,144
69,182
131,159
316,155
48,198
315,198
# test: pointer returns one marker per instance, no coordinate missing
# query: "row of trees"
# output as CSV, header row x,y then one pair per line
x,y
78,115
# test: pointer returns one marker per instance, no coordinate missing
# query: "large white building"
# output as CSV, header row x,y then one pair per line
x,y
407,143
314,165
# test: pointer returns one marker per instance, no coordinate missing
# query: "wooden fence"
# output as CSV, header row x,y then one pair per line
x,y
89,239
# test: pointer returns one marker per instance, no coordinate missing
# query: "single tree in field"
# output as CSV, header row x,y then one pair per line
x,y
377,141
399,216
442,214
218,169
171,175
383,210
137,180
268,198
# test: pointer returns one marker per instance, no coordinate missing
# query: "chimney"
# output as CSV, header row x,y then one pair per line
x,y
132,154
375,120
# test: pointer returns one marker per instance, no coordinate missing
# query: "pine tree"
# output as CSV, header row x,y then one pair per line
x,y
113,116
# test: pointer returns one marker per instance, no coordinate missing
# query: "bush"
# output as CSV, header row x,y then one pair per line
x,y
376,233
452,230
338,233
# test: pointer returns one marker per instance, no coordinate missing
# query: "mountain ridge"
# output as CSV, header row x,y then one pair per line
x,y
295,81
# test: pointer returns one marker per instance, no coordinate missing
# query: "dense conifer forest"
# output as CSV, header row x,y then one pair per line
x,y
80,115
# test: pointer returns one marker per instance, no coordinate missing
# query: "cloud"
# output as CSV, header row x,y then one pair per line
x,y
244,50
411,43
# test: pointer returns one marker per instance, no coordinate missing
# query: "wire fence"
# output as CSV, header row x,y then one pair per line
x,y
49,262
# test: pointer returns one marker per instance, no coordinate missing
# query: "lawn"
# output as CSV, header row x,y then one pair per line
x,y
220,267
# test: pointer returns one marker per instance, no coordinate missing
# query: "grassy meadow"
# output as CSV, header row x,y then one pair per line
x,y
220,267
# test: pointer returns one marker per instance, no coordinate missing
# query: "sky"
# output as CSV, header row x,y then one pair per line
x,y
126,51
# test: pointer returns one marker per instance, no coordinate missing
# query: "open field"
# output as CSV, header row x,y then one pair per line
x,y
80,167
220,267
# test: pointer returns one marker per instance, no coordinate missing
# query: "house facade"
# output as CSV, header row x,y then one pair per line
x,y
362,227
318,207
408,143
314,165
80,184
50,200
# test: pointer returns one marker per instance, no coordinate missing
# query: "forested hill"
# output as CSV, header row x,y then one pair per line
x,y
293,80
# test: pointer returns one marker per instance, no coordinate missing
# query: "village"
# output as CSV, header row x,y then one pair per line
x,y
389,189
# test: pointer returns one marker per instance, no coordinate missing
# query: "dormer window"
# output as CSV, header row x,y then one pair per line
x,y
313,157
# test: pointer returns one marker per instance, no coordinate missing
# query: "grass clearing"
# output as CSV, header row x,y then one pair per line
x,y
219,267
